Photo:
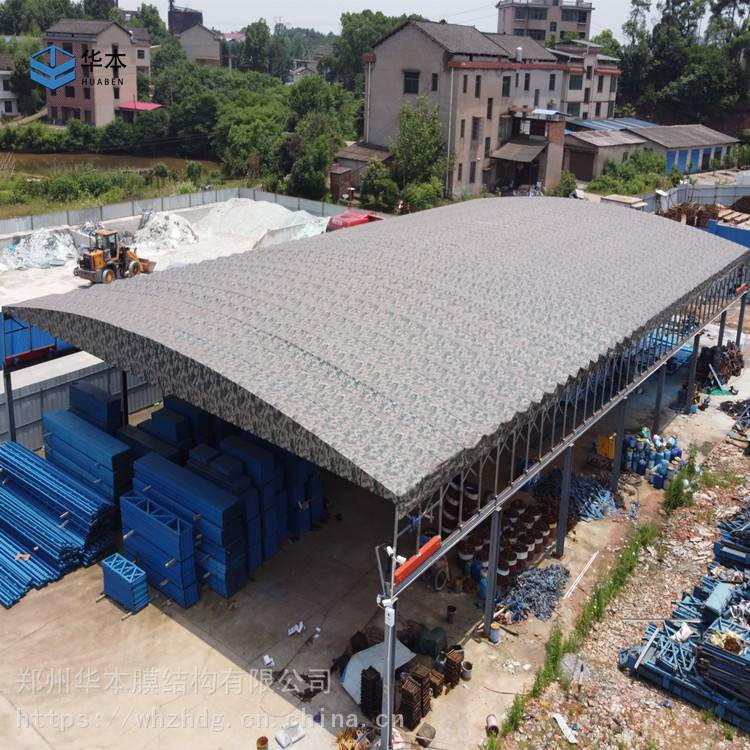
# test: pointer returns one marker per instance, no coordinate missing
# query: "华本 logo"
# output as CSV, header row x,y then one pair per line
x,y
59,69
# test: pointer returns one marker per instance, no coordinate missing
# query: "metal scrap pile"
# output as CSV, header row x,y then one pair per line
x,y
702,653
590,500
536,591
693,214
730,361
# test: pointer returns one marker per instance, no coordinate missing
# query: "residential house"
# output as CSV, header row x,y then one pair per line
x,y
142,42
544,20
590,83
202,45
181,19
105,55
498,97
8,97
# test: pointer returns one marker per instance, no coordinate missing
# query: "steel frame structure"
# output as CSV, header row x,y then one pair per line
x,y
538,437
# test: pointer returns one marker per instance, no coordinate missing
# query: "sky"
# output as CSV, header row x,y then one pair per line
x,y
232,15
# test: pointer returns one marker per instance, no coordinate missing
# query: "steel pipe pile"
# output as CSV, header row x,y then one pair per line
x,y
125,582
590,500
83,511
536,591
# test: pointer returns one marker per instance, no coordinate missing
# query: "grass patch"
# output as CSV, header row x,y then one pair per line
x,y
607,588
722,479
679,492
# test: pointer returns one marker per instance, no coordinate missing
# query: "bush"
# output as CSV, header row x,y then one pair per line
x,y
194,171
423,195
642,173
378,188
565,187
679,492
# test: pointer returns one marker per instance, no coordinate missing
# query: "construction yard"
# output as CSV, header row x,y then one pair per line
x,y
265,524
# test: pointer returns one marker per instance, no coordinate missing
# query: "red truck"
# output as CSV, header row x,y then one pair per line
x,y
350,218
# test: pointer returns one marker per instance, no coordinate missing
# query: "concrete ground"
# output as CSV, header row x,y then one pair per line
x,y
76,674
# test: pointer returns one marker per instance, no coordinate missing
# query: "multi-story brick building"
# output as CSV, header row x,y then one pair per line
x,y
501,99
106,65
8,97
545,20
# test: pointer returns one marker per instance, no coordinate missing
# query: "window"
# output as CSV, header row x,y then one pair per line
x,y
574,108
70,92
504,129
538,35
463,128
87,115
600,84
537,14
625,156
576,82
466,84
434,81
487,147
574,16
478,86
489,108
411,82
553,26
68,47
9,107
473,172
53,113
87,93
141,54
516,80
612,84
611,110
598,109
519,32
587,95
520,13
524,127
589,72
526,81
460,172
476,123
552,81
536,97
116,92
6,84
506,87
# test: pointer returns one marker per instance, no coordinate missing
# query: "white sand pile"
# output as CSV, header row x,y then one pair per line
x,y
235,226
167,230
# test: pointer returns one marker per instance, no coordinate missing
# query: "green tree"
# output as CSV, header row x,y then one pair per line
x,y
194,119
610,44
30,96
255,49
378,188
97,8
309,172
279,61
419,149
153,22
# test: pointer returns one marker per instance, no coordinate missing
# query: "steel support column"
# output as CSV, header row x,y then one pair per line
x,y
9,403
124,407
562,521
389,676
722,326
690,393
662,379
489,602
741,321
619,440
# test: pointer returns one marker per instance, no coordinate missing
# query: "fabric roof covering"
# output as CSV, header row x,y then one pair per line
x,y
398,352
524,152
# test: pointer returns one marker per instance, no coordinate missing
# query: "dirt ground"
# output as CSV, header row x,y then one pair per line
x,y
611,709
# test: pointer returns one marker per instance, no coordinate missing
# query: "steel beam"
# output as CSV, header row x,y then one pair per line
x,y
741,321
389,675
489,602
690,393
661,381
619,441
562,521
124,407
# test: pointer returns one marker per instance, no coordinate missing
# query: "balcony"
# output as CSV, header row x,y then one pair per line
x,y
547,4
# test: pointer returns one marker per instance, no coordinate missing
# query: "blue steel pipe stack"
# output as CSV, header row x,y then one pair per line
x,y
163,545
702,653
21,570
87,453
228,473
217,516
96,406
172,428
590,500
125,583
